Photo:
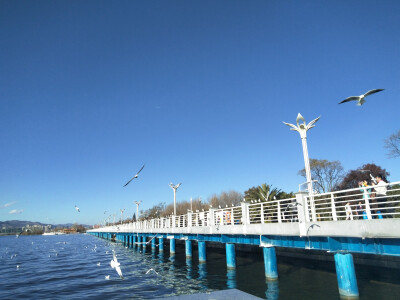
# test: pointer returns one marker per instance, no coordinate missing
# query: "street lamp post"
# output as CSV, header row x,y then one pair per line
x,y
137,208
175,187
122,213
302,129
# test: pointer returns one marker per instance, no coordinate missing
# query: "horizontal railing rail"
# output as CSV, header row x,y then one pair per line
x,y
361,203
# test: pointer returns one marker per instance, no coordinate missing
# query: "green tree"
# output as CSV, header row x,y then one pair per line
x,y
263,192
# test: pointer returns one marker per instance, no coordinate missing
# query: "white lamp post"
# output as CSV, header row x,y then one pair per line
x,y
302,128
137,208
122,213
175,187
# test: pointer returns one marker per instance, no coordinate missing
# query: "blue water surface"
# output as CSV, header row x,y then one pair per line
x,y
76,266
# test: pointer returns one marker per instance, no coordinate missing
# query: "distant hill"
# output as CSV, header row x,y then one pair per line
x,y
20,224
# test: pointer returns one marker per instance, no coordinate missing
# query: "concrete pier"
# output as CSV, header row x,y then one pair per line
x,y
346,275
202,252
271,267
188,247
172,246
230,256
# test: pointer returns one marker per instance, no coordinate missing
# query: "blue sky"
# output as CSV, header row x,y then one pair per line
x,y
197,90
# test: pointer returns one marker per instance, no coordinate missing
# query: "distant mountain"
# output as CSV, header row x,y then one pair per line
x,y
20,224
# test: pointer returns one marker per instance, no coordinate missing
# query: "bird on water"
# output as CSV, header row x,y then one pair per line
x,y
360,99
116,265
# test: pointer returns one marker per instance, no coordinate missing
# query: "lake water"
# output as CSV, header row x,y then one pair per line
x,y
76,266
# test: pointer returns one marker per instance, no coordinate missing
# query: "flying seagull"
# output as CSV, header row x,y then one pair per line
x,y
136,176
77,208
360,99
115,265
149,270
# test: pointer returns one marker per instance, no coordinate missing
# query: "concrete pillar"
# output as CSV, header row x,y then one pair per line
x,y
161,244
346,275
271,267
188,246
172,246
230,256
143,244
202,252
134,241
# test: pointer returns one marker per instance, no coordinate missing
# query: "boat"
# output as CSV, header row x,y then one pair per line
x,y
49,233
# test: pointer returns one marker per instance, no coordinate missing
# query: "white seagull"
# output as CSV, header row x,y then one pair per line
x,y
115,265
77,208
136,176
360,99
149,270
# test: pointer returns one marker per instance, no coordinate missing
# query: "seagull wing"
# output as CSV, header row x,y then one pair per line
x,y
118,269
140,169
350,99
129,181
372,92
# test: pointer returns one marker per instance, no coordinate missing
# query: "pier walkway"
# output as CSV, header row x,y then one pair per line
x,y
341,222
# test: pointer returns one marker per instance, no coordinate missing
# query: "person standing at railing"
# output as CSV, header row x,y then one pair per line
x,y
367,197
349,212
381,190
361,213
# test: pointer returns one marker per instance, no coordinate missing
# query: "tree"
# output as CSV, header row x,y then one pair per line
x,y
328,174
392,143
231,198
263,192
353,177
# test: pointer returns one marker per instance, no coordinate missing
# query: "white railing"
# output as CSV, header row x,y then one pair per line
x,y
353,204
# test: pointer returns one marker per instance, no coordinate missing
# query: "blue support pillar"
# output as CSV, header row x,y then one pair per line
x,y
172,246
230,256
144,243
134,241
271,267
202,252
346,275
188,247
161,244
153,244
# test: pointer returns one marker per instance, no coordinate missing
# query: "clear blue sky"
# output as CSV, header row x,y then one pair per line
x,y
197,90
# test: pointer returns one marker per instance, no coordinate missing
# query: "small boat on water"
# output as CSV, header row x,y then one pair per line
x,y
49,233
53,233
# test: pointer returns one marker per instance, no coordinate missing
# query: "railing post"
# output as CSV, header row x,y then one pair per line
x,y
262,212
189,218
245,213
232,217
211,217
302,212
279,211
333,207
